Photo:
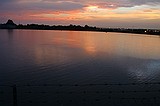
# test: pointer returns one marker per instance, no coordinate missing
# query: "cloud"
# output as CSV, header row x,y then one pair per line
x,y
94,12
17,5
142,2
67,5
114,4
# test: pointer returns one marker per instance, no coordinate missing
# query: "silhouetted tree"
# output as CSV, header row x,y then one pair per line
x,y
10,22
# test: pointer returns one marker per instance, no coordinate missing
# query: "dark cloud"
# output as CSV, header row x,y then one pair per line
x,y
17,5
64,6
67,5
142,2
4,2
113,4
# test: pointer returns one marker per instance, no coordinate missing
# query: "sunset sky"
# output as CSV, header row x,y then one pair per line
x,y
101,13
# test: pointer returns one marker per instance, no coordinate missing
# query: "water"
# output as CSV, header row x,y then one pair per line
x,y
71,57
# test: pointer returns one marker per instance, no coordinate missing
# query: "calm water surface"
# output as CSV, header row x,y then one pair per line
x,y
72,57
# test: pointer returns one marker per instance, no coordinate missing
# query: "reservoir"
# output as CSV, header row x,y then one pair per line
x,y
79,68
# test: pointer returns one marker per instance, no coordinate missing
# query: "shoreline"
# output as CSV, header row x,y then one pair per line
x,y
11,25
101,30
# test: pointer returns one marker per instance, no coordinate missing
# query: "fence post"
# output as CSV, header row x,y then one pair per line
x,y
14,95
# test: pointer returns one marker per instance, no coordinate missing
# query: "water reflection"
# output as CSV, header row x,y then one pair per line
x,y
10,33
112,43
82,56
69,57
145,71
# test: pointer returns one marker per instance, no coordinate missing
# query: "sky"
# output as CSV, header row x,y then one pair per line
x,y
100,13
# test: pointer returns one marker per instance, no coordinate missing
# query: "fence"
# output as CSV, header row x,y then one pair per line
x,y
81,94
